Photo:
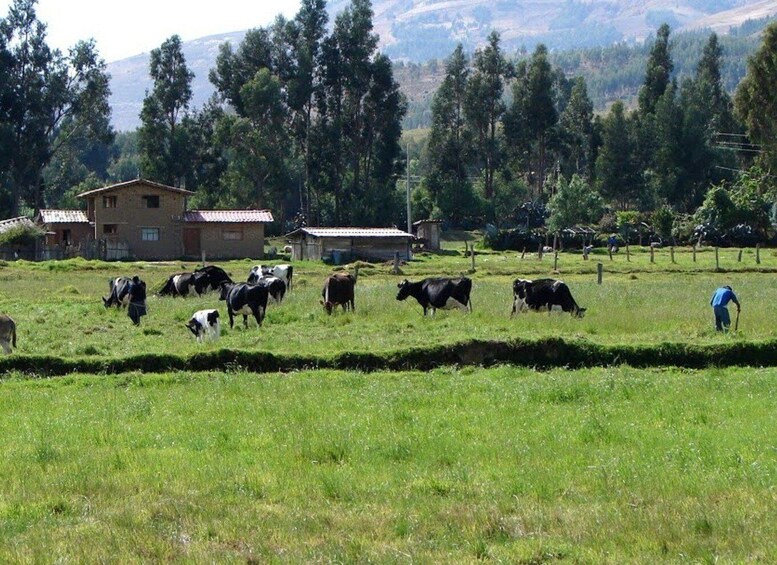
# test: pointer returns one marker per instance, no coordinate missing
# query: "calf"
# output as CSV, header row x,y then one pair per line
x,y
542,294
119,292
442,293
339,291
283,272
204,324
245,299
7,333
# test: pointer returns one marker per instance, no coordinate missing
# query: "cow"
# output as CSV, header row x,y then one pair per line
x,y
204,324
339,291
434,293
119,292
180,285
542,294
275,287
283,272
245,299
210,278
7,333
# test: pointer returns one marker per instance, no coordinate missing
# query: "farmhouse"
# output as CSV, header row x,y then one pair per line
x,y
148,220
340,244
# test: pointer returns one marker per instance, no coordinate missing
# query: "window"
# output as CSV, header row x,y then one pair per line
x,y
233,235
110,229
149,234
150,201
109,201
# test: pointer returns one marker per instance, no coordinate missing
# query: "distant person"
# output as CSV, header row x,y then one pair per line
x,y
137,300
719,304
612,244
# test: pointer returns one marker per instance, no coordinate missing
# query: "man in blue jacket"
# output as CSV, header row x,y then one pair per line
x,y
719,301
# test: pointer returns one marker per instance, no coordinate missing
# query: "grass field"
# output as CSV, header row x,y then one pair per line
x,y
606,465
454,465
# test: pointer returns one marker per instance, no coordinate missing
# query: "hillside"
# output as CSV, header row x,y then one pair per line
x,y
421,30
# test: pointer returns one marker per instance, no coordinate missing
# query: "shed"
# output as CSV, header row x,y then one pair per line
x,y
65,227
226,234
429,232
336,244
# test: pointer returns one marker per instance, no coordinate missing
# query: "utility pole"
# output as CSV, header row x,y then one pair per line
x,y
407,174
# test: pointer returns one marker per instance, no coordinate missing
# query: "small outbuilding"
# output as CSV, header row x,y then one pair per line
x,y
342,244
428,232
65,228
226,234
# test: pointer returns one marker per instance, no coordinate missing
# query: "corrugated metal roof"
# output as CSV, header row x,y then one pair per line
x,y
52,216
420,222
228,216
354,232
11,223
121,185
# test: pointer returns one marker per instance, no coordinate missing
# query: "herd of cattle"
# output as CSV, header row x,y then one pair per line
x,y
271,283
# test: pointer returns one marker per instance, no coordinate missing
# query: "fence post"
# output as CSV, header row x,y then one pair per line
x,y
609,250
739,257
539,251
523,252
671,251
555,261
203,258
599,273
628,254
717,260
473,256
652,255
758,253
693,247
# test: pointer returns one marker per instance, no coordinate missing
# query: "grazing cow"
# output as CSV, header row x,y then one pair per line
x,y
542,294
204,324
179,285
283,272
245,299
339,291
7,333
209,278
119,292
275,287
441,293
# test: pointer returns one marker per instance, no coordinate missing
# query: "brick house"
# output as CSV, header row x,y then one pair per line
x,y
148,220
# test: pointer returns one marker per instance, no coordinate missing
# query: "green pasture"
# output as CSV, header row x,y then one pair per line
x,y
506,464
59,312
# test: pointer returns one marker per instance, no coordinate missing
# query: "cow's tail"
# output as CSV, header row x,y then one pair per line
x,y
291,275
13,335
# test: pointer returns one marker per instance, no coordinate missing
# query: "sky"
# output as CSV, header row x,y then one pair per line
x,y
127,28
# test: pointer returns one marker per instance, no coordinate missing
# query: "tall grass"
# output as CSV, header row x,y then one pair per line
x,y
607,465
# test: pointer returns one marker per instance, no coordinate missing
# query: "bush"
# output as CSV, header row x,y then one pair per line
x,y
21,235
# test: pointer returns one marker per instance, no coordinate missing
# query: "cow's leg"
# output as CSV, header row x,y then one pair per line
x,y
6,346
259,316
231,318
245,320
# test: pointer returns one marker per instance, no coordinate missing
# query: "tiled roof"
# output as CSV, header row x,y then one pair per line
x,y
145,182
228,216
353,232
63,217
21,221
420,222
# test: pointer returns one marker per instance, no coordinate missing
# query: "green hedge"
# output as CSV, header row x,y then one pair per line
x,y
544,353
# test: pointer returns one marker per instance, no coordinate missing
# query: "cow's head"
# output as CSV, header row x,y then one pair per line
x,y
328,306
519,288
579,312
201,282
194,326
106,301
225,288
404,289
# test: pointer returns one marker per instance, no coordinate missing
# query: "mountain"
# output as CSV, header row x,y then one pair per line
x,y
422,30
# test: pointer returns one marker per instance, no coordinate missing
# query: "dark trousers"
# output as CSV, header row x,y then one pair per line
x,y
722,319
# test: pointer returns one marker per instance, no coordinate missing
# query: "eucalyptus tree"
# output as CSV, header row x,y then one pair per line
x,y
163,143
47,99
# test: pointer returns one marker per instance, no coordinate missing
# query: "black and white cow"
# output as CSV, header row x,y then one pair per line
x,y
434,293
7,333
339,291
245,299
283,272
204,324
180,284
544,294
275,287
118,292
210,278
